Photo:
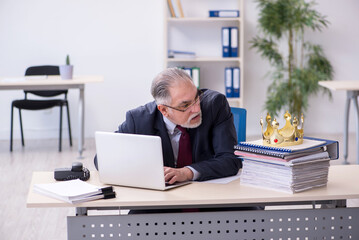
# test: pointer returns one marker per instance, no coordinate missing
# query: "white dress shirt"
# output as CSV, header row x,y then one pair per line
x,y
175,135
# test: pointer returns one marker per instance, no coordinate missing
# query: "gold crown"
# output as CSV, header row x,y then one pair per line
x,y
287,136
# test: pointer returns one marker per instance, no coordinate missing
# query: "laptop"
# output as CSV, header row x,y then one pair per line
x,y
131,160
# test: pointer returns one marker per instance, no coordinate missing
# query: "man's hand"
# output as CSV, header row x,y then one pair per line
x,y
173,175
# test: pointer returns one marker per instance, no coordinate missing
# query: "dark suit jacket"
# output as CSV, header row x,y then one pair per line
x,y
212,142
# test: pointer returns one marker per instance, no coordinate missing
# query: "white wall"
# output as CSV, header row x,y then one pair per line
x,y
123,41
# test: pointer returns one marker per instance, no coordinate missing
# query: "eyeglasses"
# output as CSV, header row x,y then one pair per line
x,y
186,106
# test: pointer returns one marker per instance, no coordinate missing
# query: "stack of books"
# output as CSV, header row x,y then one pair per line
x,y
74,191
291,169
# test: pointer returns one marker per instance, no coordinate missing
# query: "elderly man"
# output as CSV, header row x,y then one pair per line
x,y
196,128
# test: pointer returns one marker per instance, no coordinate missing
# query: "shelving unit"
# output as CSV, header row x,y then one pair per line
x,y
203,59
196,32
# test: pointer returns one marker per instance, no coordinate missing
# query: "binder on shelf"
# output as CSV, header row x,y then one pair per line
x,y
195,76
224,13
234,42
225,41
181,54
170,6
236,82
188,71
228,79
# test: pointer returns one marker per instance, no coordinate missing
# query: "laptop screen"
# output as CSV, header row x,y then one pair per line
x,y
130,160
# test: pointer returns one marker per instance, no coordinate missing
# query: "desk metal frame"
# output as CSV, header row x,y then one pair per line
x,y
55,83
334,221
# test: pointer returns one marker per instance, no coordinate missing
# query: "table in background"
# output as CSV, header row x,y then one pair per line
x,y
334,222
352,88
55,83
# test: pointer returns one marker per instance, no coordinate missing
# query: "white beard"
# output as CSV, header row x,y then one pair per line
x,y
188,124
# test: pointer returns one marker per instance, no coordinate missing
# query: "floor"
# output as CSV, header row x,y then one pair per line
x,y
19,222
15,176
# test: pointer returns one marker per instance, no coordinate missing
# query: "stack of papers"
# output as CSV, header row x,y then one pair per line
x,y
285,178
74,191
287,170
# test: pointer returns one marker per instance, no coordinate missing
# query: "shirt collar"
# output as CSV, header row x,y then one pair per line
x,y
169,125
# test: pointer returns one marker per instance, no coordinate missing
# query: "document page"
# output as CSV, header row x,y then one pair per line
x,y
224,180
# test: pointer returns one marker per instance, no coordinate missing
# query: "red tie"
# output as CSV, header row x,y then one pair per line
x,y
185,149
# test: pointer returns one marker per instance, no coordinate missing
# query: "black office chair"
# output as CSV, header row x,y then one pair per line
x,y
28,104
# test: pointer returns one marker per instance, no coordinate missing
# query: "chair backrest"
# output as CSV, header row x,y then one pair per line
x,y
240,122
44,70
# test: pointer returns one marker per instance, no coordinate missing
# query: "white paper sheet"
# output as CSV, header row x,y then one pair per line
x,y
224,180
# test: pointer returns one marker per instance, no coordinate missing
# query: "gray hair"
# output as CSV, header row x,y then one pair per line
x,y
164,80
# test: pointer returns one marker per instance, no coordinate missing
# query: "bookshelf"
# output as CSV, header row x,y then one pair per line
x,y
199,33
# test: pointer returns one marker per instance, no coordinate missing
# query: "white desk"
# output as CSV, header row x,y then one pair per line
x,y
334,222
352,88
55,83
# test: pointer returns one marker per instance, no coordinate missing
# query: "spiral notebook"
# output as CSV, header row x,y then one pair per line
x,y
278,156
310,145
307,144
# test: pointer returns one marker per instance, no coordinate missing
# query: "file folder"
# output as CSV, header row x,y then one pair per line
x,y
224,13
181,54
234,42
225,41
236,82
195,76
228,79
188,71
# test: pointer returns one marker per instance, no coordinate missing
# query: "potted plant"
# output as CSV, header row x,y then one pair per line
x,y
298,65
66,71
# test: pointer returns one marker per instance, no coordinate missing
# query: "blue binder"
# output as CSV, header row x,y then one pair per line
x,y
236,82
234,42
224,13
225,41
228,81
188,71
